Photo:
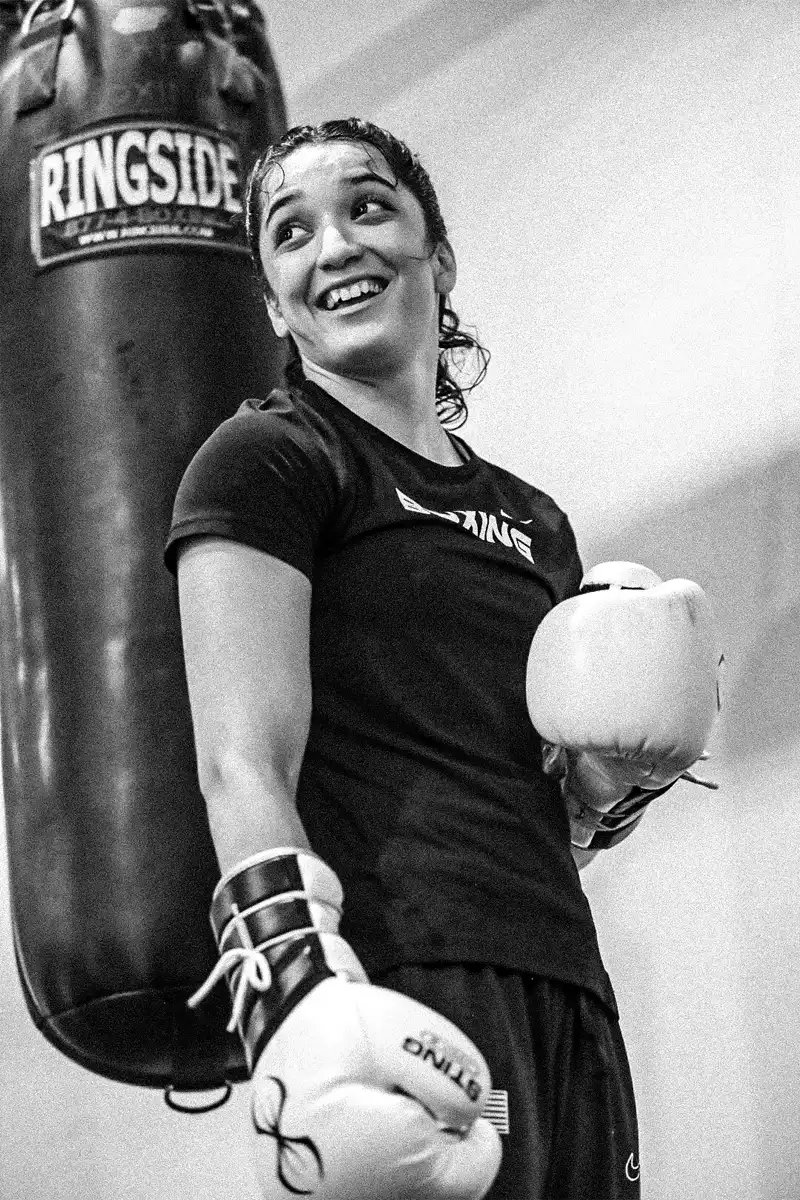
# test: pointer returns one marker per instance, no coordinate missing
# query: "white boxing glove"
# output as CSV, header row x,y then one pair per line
x,y
622,686
359,1093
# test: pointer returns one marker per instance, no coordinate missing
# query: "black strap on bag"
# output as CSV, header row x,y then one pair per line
x,y
233,75
39,47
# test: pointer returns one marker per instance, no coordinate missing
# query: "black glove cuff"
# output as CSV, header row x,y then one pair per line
x,y
266,907
621,820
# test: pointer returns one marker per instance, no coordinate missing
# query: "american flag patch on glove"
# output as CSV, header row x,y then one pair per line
x,y
496,1109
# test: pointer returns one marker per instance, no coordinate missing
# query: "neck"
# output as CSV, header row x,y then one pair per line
x,y
402,406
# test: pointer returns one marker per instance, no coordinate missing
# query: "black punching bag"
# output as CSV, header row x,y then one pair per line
x,y
129,329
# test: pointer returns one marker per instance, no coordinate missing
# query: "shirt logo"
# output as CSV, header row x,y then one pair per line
x,y
483,525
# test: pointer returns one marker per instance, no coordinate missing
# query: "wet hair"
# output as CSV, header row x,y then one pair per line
x,y
456,345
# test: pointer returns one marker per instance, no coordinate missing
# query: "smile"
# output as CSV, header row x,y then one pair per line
x,y
351,293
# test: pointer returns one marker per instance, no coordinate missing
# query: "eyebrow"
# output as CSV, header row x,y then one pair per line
x,y
283,200
352,179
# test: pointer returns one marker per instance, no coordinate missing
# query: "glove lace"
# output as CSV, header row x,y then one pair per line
x,y
692,778
255,973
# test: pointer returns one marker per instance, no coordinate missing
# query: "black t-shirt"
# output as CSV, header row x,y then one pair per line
x,y
421,782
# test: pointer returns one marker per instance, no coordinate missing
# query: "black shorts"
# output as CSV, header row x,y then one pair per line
x,y
557,1058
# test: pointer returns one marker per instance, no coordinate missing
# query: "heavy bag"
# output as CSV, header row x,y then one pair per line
x,y
129,328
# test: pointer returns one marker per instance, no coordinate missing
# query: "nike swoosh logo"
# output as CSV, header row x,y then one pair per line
x,y
632,1169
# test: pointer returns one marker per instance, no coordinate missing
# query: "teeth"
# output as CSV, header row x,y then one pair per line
x,y
352,291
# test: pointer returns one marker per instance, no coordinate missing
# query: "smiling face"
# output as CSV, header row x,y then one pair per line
x,y
350,272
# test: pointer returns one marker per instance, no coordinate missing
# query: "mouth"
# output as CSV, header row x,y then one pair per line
x,y
349,295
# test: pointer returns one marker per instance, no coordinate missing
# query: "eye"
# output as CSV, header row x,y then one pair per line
x,y
370,205
287,231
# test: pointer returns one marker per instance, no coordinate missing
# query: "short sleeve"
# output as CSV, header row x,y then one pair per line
x,y
264,478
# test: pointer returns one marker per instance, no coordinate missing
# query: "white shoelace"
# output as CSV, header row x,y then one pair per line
x,y
255,973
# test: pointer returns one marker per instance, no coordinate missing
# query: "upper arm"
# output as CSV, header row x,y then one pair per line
x,y
245,625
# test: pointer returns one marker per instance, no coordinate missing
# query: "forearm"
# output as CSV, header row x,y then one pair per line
x,y
251,807
245,625
582,857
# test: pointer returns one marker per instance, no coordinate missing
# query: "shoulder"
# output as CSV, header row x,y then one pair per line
x,y
280,441
271,476
260,428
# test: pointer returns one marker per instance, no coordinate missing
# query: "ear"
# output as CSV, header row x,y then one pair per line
x,y
274,313
444,268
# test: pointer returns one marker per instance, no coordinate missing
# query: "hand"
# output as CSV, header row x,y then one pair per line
x,y
622,687
359,1093
364,1094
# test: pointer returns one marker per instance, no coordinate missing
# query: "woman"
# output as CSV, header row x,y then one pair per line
x,y
358,594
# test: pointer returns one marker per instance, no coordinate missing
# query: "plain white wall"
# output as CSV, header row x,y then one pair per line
x,y
620,179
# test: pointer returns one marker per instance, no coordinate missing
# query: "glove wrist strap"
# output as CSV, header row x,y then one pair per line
x,y
602,830
275,918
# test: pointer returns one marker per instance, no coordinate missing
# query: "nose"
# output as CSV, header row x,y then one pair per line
x,y
335,248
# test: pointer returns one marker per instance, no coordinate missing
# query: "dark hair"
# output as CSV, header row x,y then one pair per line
x,y
456,345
